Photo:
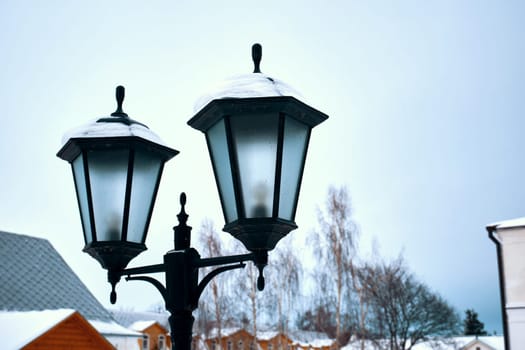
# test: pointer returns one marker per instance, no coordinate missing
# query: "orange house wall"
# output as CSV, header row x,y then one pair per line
x,y
153,333
246,338
74,333
281,340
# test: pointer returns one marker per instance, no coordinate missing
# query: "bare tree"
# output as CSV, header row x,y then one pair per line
x,y
212,246
283,275
404,311
335,248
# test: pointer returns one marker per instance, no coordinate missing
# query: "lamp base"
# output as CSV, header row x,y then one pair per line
x,y
259,233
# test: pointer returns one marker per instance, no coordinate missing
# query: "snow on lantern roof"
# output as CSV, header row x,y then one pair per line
x,y
118,124
507,224
256,84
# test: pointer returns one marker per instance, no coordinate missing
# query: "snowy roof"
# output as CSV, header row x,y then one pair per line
x,y
96,128
494,342
315,339
246,86
24,327
142,325
507,224
111,328
34,277
127,318
267,335
225,332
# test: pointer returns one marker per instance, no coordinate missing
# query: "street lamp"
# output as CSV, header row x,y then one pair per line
x,y
257,133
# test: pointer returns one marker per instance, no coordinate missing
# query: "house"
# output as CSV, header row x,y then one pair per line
x,y
307,340
154,336
154,327
241,339
230,339
34,277
464,343
273,340
49,330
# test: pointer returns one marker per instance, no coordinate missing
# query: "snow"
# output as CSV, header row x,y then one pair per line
x,y
24,327
225,332
113,328
245,86
111,129
514,223
267,335
141,325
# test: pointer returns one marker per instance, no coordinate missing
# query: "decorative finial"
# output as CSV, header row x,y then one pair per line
x,y
119,93
256,57
260,279
182,230
113,294
183,200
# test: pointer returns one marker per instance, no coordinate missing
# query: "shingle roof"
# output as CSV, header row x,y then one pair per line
x,y
33,276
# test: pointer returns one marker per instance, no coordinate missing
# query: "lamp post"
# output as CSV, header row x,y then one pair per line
x,y
257,134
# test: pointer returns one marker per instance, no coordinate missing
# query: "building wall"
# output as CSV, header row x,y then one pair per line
x,y
239,340
279,342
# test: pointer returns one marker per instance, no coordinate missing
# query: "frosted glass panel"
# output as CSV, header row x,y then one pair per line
x,y
108,173
80,183
145,175
294,148
218,146
255,137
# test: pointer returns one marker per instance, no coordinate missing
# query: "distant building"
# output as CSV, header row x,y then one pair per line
x,y
509,237
153,326
34,277
454,343
241,339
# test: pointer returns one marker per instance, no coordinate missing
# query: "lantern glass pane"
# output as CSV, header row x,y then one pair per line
x,y
294,149
80,184
220,156
108,170
146,174
255,139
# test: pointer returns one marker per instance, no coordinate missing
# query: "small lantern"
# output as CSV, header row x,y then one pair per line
x,y
257,134
117,164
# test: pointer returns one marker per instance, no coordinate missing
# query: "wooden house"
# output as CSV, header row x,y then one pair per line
x,y
154,335
49,330
231,339
274,341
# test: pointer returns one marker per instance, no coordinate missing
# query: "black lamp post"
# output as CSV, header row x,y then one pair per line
x,y
257,137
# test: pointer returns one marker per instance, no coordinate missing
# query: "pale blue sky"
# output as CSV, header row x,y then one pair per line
x,y
425,101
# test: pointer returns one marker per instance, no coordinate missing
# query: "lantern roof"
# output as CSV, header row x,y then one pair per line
x,y
118,124
256,84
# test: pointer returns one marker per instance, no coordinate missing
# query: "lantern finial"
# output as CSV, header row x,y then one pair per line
x,y
119,94
182,230
256,57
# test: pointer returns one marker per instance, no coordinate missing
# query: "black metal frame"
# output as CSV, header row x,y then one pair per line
x,y
249,230
103,251
182,290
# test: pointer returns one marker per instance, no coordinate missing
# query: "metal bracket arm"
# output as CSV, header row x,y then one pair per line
x,y
153,281
207,279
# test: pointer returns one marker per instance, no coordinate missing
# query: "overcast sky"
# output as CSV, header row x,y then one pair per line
x,y
425,100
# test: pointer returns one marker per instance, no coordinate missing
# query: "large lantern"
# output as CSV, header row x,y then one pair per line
x,y
117,164
257,133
